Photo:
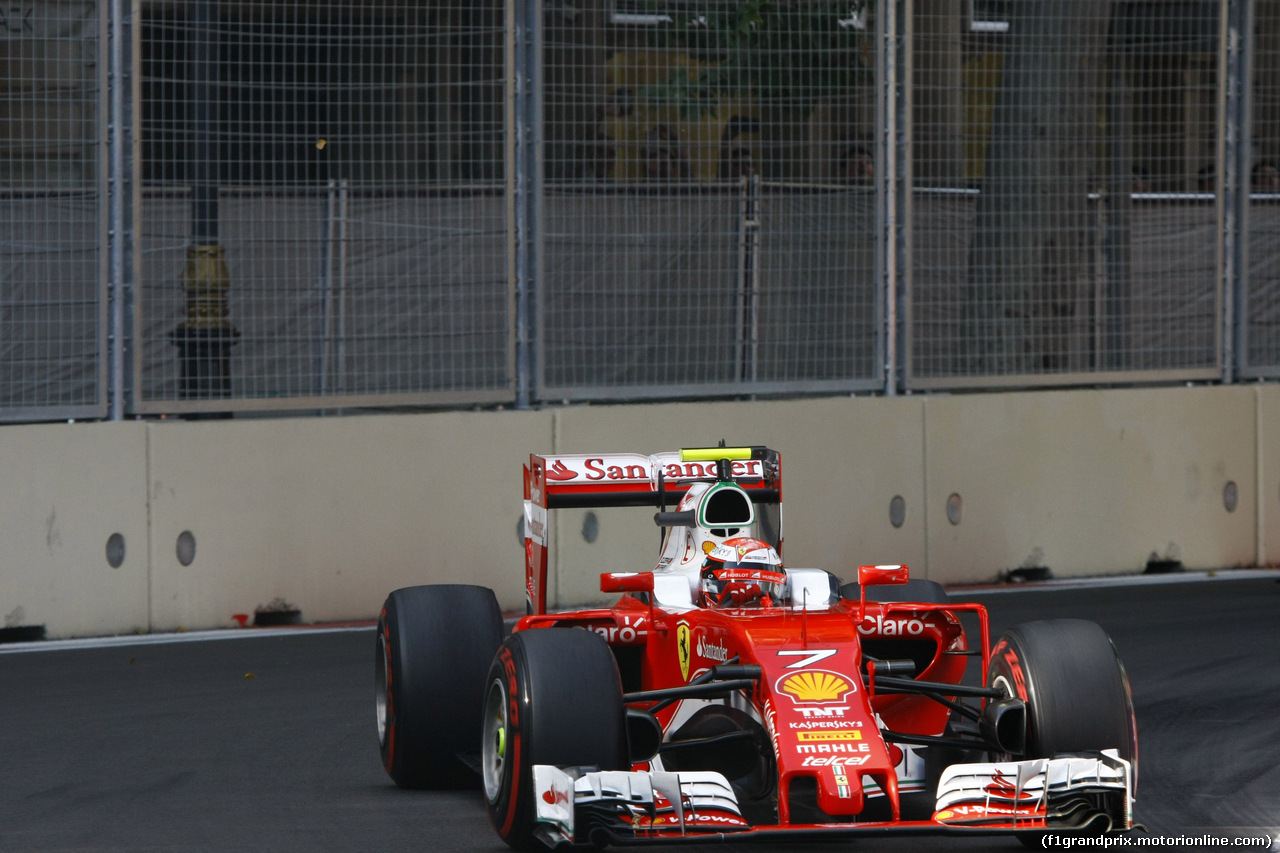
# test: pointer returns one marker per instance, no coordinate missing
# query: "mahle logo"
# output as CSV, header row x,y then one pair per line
x,y
815,685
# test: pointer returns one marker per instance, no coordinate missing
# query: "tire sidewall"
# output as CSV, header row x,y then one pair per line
x,y
562,699
511,806
393,744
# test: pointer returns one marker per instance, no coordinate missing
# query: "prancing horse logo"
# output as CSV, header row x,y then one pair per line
x,y
682,648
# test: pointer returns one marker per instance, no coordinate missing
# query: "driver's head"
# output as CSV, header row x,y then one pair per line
x,y
743,572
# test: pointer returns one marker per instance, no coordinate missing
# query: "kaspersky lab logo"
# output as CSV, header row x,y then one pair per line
x,y
815,686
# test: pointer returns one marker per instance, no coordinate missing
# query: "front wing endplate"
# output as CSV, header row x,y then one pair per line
x,y
1041,793
569,801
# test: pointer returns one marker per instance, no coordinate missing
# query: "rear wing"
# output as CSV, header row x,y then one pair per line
x,y
630,479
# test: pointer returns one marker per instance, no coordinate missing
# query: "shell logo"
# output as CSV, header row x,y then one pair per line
x,y
815,685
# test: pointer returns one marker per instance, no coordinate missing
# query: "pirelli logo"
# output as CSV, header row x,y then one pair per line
x,y
827,737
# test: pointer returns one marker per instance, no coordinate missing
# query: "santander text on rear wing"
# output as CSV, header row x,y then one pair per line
x,y
630,479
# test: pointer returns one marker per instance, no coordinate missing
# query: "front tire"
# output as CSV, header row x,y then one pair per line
x,y
1075,688
553,697
434,647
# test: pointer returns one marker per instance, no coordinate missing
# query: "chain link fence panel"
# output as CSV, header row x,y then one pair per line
x,y
1261,346
53,228
1064,220
323,218
708,171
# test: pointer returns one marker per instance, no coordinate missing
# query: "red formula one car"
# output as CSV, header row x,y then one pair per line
x,y
724,695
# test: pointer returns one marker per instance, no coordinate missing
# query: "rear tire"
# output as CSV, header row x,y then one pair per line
x,y
434,646
553,697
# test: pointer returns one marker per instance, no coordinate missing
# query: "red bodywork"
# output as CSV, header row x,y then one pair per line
x,y
817,697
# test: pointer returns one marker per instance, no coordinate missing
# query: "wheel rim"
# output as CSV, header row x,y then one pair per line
x,y
493,750
380,689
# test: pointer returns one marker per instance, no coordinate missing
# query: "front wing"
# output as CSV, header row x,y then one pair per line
x,y
1079,794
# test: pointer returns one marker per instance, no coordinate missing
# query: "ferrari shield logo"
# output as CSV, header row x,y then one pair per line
x,y
682,648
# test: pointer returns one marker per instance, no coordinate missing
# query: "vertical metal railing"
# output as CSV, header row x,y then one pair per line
x,y
893,182
524,185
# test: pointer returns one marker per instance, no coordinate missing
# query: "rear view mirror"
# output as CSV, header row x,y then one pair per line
x,y
878,576
882,575
626,582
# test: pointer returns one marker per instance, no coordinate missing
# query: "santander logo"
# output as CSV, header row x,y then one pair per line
x,y
634,468
559,471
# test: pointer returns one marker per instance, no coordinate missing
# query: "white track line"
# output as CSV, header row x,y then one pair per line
x,y
178,637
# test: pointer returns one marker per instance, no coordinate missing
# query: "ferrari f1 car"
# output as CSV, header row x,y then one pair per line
x,y
725,696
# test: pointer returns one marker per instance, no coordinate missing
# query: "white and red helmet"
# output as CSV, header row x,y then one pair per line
x,y
742,572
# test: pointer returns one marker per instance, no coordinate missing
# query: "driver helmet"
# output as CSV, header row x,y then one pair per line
x,y
743,572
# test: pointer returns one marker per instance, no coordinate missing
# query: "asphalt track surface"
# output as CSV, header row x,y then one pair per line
x,y
266,741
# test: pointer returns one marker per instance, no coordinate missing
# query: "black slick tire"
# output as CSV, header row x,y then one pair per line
x,y
434,647
1077,694
1075,688
553,696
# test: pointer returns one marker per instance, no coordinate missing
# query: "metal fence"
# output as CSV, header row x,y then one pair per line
x,y
53,227
1260,304
215,206
322,219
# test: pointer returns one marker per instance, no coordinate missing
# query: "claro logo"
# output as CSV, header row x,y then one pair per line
x,y
891,627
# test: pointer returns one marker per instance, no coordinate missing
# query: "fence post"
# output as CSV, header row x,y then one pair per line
x,y
893,180
524,185
119,106
1235,74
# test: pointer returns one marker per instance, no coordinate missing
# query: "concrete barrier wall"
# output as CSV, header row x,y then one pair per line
x,y
1267,497
329,514
1091,482
65,489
